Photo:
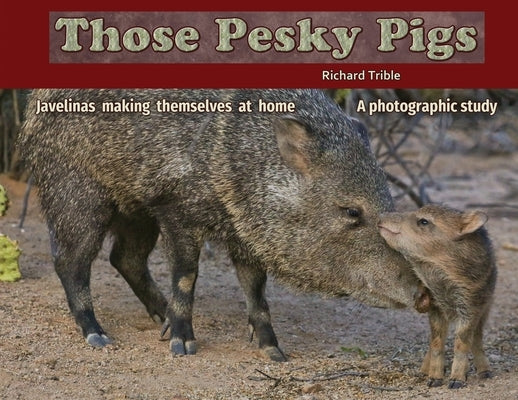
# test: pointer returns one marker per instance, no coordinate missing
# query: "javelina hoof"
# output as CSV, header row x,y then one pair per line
x,y
434,382
98,340
180,348
165,327
275,354
455,384
485,375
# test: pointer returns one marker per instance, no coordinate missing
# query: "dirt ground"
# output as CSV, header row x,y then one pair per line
x,y
337,348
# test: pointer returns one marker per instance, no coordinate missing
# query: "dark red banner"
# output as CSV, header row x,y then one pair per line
x,y
100,45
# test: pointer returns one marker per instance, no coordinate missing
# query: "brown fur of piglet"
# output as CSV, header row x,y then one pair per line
x,y
451,254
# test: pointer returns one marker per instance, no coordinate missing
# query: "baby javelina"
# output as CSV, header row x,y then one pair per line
x,y
451,254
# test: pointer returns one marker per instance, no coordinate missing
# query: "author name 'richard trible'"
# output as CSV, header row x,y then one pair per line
x,y
372,75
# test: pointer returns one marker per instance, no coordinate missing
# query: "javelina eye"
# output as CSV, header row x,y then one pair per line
x,y
422,222
353,212
350,212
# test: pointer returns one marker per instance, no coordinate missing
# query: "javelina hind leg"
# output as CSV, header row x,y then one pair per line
x,y
183,253
433,363
253,282
479,356
135,238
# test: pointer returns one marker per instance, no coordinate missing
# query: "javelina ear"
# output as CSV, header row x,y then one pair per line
x,y
361,129
471,221
293,140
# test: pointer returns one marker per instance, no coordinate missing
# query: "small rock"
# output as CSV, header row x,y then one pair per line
x,y
306,397
312,388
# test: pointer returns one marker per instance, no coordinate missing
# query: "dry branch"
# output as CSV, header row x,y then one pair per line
x,y
391,136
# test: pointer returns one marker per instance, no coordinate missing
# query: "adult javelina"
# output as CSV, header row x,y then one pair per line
x,y
293,195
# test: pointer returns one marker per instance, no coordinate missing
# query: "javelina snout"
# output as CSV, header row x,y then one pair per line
x,y
291,195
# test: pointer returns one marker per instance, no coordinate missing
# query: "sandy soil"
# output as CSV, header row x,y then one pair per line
x,y
337,348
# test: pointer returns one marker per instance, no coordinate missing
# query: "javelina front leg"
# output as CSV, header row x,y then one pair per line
x,y
73,256
253,282
462,347
183,255
135,238
433,363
